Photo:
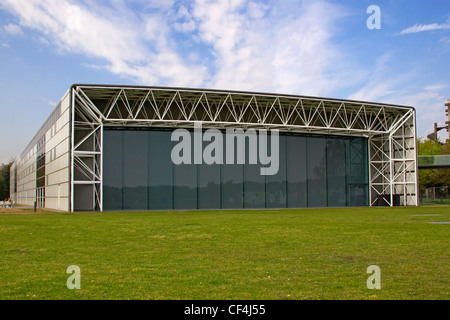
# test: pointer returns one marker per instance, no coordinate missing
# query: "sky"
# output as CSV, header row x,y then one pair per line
x,y
397,53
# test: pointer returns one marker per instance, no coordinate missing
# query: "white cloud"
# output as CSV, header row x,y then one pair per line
x,y
429,105
445,40
305,59
378,85
49,102
186,22
425,27
13,29
436,87
394,89
236,47
112,34
279,46
257,10
254,46
155,4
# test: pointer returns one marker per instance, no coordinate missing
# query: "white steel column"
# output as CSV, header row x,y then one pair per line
x,y
415,161
72,149
101,169
87,150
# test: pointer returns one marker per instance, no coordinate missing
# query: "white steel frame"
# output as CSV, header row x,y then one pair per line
x,y
391,130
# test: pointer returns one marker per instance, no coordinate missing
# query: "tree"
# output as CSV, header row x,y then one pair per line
x,y
4,180
429,147
433,177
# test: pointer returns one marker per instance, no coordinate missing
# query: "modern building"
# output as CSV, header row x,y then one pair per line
x,y
111,148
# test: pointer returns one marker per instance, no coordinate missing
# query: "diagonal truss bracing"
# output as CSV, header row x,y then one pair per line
x,y
390,129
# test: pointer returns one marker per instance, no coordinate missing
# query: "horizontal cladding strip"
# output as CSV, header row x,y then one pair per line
x,y
86,182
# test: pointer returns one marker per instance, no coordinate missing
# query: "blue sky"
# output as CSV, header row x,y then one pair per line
x,y
316,48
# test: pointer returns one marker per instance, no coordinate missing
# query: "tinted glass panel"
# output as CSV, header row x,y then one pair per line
x,y
112,169
254,187
185,184
276,184
232,176
160,191
208,186
135,170
357,175
296,171
317,170
336,152
254,182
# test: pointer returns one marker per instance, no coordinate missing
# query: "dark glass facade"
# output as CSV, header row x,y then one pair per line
x,y
314,171
40,173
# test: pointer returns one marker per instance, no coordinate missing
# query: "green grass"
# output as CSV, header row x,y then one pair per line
x,y
267,254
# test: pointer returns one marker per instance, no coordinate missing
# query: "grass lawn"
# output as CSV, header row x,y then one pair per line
x,y
242,254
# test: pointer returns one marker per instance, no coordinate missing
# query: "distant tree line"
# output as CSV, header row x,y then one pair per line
x,y
433,177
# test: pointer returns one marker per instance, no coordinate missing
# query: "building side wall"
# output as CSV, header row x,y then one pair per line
x,y
51,147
